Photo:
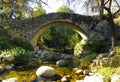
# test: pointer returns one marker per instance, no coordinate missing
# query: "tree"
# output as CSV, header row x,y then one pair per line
x,y
65,9
38,11
17,9
12,9
103,5
110,19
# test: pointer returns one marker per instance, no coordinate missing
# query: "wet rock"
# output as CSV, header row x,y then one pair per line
x,y
103,54
115,78
94,79
8,67
44,79
48,79
62,63
96,62
46,71
68,57
79,72
66,78
9,57
105,62
10,80
112,53
75,69
86,72
79,80
51,57
1,69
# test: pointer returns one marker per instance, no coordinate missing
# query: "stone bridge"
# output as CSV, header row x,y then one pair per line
x,y
31,29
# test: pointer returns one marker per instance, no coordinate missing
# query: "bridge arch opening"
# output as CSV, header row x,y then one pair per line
x,y
57,23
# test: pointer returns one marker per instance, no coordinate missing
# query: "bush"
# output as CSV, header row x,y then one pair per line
x,y
20,43
86,61
6,44
106,71
96,46
13,43
21,57
78,49
117,50
115,60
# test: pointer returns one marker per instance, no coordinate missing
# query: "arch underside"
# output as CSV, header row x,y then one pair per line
x,y
39,32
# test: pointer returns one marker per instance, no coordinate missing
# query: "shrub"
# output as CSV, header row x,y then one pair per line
x,y
20,43
106,71
117,50
115,62
78,49
85,62
21,57
6,44
12,43
96,45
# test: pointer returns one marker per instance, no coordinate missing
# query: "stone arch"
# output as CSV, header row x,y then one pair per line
x,y
37,34
30,29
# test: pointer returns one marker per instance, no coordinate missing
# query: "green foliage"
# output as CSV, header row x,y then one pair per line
x,y
106,71
11,9
12,43
117,50
39,11
20,55
65,9
20,43
96,45
57,37
40,61
45,36
78,49
19,9
60,36
50,57
6,44
86,61
6,27
75,38
115,60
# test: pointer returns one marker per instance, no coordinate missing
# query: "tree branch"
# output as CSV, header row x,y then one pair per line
x,y
43,2
116,12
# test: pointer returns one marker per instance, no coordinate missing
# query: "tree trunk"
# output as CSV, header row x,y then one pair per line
x,y
113,33
102,8
112,27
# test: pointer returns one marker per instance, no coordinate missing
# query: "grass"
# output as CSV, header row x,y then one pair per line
x,y
104,71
